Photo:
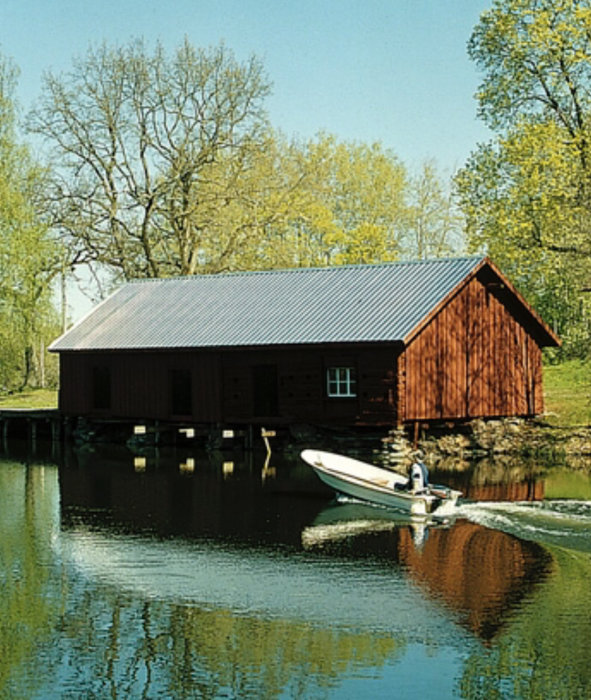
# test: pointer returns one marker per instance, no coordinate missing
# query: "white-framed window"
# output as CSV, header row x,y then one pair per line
x,y
341,381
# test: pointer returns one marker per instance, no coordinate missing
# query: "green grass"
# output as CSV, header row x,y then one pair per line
x,y
31,398
567,391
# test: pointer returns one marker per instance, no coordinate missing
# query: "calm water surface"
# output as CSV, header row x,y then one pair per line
x,y
196,575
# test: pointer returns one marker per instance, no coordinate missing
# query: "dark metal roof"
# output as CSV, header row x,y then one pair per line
x,y
361,303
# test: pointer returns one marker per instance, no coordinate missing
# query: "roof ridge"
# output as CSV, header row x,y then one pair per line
x,y
300,270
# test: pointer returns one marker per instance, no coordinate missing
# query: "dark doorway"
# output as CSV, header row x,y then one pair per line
x,y
265,390
101,388
181,394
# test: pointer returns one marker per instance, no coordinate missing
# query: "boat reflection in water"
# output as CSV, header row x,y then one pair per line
x,y
479,573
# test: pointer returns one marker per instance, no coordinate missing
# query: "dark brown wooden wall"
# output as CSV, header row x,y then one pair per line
x,y
302,384
140,383
223,384
473,359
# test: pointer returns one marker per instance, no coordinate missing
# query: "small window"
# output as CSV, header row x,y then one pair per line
x,y
341,381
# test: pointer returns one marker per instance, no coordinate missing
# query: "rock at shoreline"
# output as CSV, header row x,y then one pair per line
x,y
507,436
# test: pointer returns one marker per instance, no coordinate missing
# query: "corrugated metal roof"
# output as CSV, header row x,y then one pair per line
x,y
361,303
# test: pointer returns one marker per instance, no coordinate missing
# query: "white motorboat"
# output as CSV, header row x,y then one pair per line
x,y
368,482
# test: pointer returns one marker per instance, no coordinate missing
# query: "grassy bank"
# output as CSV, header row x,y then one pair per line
x,y
31,398
567,390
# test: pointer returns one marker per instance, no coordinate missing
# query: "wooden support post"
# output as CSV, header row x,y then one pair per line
x,y
401,389
67,429
55,430
415,439
55,435
266,434
249,437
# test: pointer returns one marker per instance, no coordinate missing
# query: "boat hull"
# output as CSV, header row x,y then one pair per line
x,y
415,506
367,482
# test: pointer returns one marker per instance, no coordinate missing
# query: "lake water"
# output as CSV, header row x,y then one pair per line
x,y
209,575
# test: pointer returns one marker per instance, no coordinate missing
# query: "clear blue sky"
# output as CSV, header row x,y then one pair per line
x,y
394,71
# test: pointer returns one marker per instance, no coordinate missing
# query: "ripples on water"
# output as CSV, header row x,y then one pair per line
x,y
321,590
221,583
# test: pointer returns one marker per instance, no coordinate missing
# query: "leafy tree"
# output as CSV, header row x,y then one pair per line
x,y
254,230
526,195
354,203
321,202
434,226
28,255
166,165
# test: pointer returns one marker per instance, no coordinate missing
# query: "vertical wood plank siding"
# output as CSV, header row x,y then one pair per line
x,y
140,384
222,384
473,359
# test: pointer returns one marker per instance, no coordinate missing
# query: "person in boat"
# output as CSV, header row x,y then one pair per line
x,y
418,478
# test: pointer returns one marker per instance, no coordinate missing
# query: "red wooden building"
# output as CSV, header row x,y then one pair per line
x,y
359,345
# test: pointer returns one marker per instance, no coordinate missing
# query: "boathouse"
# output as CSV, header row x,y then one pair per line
x,y
363,345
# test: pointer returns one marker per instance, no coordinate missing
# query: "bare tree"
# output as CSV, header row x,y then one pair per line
x,y
147,150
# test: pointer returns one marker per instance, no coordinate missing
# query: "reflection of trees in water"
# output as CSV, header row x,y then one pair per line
x,y
80,635
152,648
30,601
93,636
480,573
544,653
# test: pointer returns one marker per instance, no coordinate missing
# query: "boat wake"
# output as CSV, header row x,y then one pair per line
x,y
563,523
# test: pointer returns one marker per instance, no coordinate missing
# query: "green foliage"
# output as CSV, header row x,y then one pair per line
x,y
526,195
28,257
434,227
353,198
329,202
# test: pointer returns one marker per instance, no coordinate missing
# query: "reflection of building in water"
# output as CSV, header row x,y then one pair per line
x,y
481,573
529,490
178,493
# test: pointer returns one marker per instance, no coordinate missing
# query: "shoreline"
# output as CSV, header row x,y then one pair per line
x,y
509,437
